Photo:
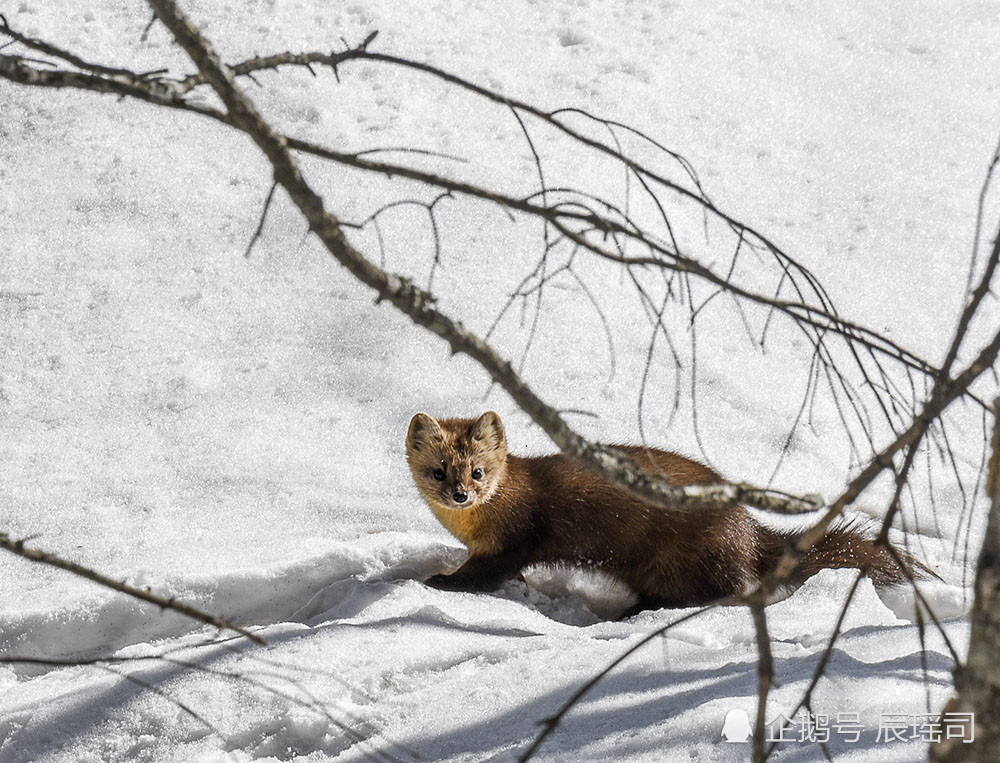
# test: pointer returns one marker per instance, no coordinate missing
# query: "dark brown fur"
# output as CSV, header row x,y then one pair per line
x,y
548,510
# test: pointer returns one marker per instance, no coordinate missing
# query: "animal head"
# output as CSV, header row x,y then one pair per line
x,y
456,463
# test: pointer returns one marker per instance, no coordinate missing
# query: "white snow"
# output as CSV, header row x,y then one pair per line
x,y
229,430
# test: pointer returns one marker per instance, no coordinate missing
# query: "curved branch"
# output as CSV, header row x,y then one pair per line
x,y
171,94
419,304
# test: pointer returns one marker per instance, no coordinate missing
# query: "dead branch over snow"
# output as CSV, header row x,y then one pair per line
x,y
417,303
20,548
978,681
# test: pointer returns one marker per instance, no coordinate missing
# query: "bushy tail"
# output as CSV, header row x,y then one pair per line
x,y
847,545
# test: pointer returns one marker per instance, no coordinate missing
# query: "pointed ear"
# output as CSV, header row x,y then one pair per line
x,y
488,430
423,431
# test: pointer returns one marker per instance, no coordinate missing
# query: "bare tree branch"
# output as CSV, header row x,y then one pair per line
x,y
171,94
43,557
977,682
263,219
418,304
65,55
549,724
765,672
945,394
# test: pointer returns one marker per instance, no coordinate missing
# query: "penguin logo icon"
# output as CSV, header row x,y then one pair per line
x,y
736,728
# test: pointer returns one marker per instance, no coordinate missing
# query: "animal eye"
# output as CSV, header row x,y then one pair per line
x,y
477,474
438,474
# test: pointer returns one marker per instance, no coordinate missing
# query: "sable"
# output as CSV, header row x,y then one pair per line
x,y
513,512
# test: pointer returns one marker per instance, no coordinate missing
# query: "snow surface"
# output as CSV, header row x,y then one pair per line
x,y
229,430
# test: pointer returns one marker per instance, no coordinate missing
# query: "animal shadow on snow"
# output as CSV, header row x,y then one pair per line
x,y
563,594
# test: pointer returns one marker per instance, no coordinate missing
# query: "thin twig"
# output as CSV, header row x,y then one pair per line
x,y
263,218
43,557
549,724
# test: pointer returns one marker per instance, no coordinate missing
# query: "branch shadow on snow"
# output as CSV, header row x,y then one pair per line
x,y
263,735
352,583
645,699
629,701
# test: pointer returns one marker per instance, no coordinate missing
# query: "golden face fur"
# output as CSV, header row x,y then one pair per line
x,y
456,463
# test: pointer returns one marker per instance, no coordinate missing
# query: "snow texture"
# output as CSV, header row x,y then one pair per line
x,y
229,430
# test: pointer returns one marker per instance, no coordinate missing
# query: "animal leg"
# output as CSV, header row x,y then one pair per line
x,y
479,573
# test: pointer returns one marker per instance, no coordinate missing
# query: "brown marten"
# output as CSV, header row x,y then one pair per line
x,y
513,512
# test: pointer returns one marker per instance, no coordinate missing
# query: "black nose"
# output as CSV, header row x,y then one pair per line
x,y
459,496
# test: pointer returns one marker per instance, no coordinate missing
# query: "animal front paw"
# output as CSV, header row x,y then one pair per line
x,y
445,582
459,582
